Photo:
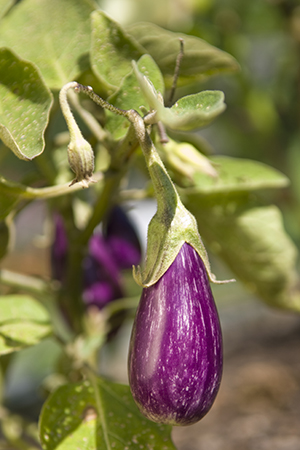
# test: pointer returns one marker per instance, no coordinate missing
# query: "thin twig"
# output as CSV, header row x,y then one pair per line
x,y
176,72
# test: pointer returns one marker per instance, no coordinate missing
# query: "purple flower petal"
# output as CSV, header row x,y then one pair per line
x,y
99,294
101,253
122,238
59,249
102,278
175,358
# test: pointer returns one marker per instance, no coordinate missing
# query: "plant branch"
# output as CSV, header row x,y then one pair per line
x,y
42,193
27,283
88,90
176,72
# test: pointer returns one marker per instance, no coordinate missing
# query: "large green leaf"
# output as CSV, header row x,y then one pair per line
x,y
25,106
55,35
200,58
235,175
77,417
112,51
130,96
23,322
252,241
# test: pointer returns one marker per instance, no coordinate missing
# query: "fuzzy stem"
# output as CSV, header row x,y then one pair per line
x,y
43,193
71,122
88,118
165,191
88,90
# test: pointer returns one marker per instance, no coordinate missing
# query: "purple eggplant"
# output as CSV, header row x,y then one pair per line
x,y
175,357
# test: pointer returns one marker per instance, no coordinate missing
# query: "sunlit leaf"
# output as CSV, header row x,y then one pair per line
x,y
54,35
130,96
200,58
253,243
112,51
234,174
76,416
193,111
23,322
25,106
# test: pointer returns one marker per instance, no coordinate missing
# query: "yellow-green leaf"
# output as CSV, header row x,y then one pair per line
x,y
55,35
200,58
23,322
112,51
25,106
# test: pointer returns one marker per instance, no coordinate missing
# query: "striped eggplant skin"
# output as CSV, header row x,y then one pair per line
x,y
175,355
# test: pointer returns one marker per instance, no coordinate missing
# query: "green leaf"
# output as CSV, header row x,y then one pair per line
x,y
236,175
4,238
252,241
23,322
193,111
200,58
112,51
4,6
76,416
54,35
25,106
130,96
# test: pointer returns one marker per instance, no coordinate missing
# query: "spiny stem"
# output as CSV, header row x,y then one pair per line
x,y
165,191
88,90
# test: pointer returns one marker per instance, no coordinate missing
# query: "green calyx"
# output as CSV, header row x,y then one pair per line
x,y
172,225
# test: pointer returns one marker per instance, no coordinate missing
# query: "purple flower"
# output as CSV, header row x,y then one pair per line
x,y
106,256
175,357
121,236
59,249
102,277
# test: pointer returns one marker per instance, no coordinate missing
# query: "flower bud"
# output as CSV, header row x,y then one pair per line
x,y
81,160
80,152
175,357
